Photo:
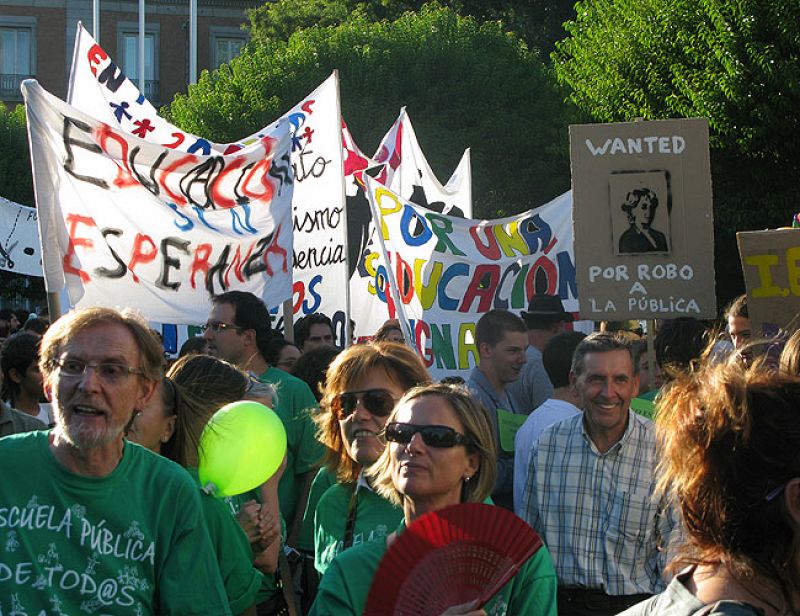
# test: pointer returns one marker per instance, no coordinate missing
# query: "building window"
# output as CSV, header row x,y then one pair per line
x,y
17,55
226,44
129,57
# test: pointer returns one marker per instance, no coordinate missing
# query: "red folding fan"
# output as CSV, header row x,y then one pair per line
x,y
449,557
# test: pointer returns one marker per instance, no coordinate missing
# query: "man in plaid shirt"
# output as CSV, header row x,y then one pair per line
x,y
589,489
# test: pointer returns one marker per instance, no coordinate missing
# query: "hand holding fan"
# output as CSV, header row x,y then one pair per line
x,y
449,557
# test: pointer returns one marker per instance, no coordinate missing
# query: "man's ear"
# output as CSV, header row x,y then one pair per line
x,y
250,337
573,383
169,428
15,376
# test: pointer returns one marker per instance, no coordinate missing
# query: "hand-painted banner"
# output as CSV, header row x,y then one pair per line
x,y
408,174
400,164
98,87
126,222
19,239
449,271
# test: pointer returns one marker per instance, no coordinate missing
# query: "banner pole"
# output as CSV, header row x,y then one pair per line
x,y
288,320
393,288
96,20
192,42
348,328
141,48
53,306
651,354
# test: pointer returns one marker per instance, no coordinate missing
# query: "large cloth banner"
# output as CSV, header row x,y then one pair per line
x,y
127,222
449,271
98,87
20,250
407,172
399,164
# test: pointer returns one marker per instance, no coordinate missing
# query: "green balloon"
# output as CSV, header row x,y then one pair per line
x,y
242,446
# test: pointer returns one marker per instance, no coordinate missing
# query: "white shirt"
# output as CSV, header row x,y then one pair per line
x,y
552,411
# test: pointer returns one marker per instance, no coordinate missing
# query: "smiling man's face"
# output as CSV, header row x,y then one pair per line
x,y
605,388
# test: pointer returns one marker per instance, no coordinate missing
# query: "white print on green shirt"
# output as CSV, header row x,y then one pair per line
x,y
45,575
130,545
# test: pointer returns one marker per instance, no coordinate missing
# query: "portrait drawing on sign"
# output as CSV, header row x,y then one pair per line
x,y
640,208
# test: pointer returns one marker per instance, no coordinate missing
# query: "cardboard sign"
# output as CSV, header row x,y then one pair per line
x,y
644,234
771,266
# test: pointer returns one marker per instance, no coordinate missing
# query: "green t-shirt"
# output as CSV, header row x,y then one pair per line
x,y
132,542
323,480
375,518
345,587
269,583
241,579
295,405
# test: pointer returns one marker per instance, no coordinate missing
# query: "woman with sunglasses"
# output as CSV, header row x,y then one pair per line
x,y
441,452
731,457
363,384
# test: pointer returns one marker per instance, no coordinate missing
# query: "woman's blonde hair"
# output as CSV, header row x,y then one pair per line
x,y
790,356
400,363
203,385
476,427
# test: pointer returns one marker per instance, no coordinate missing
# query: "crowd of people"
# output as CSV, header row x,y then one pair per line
x,y
661,481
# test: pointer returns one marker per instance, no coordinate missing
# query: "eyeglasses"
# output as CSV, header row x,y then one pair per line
x,y
379,402
107,371
219,326
433,436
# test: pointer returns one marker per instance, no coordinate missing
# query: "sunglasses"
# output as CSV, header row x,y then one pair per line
x,y
433,436
379,402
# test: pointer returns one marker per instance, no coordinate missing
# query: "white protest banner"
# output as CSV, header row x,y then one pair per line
x,y
408,174
99,88
126,222
19,239
399,164
644,231
451,270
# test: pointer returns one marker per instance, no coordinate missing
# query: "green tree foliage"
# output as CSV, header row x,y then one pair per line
x,y
735,63
16,182
537,22
465,84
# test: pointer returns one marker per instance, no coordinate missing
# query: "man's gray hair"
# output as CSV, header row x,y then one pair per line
x,y
600,342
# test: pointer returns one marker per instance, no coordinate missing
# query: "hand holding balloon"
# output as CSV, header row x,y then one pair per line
x,y
242,446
